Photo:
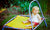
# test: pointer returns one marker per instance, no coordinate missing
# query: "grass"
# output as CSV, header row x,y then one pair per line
x,y
7,19
41,27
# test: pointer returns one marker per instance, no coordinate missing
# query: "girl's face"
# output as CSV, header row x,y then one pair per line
x,y
35,11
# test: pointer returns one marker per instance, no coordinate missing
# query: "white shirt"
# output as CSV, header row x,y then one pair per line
x,y
35,18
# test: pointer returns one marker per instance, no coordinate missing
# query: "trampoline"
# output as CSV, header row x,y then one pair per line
x,y
16,22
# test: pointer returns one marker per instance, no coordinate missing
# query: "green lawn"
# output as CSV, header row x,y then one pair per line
x,y
41,27
7,19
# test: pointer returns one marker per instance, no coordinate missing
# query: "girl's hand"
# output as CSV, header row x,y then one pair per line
x,y
31,17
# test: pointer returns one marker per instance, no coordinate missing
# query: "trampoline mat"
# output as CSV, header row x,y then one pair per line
x,y
18,23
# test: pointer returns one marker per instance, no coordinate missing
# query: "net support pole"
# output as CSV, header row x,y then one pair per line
x,y
2,28
45,23
42,13
40,10
30,14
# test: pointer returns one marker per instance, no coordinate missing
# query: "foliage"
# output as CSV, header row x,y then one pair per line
x,y
43,4
24,4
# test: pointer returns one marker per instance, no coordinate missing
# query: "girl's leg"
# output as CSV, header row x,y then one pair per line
x,y
29,25
26,21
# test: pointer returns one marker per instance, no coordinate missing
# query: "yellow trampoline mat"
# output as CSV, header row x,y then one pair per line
x,y
18,22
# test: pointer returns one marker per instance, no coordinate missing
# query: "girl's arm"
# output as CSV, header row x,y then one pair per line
x,y
39,18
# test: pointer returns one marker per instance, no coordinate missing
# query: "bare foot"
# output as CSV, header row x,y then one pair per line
x,y
24,22
27,25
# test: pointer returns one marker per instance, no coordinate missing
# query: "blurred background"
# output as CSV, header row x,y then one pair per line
x,y
11,8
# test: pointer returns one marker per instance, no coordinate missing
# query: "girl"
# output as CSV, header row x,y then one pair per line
x,y
36,19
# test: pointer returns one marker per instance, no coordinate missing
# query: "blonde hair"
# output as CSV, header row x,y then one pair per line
x,y
35,7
